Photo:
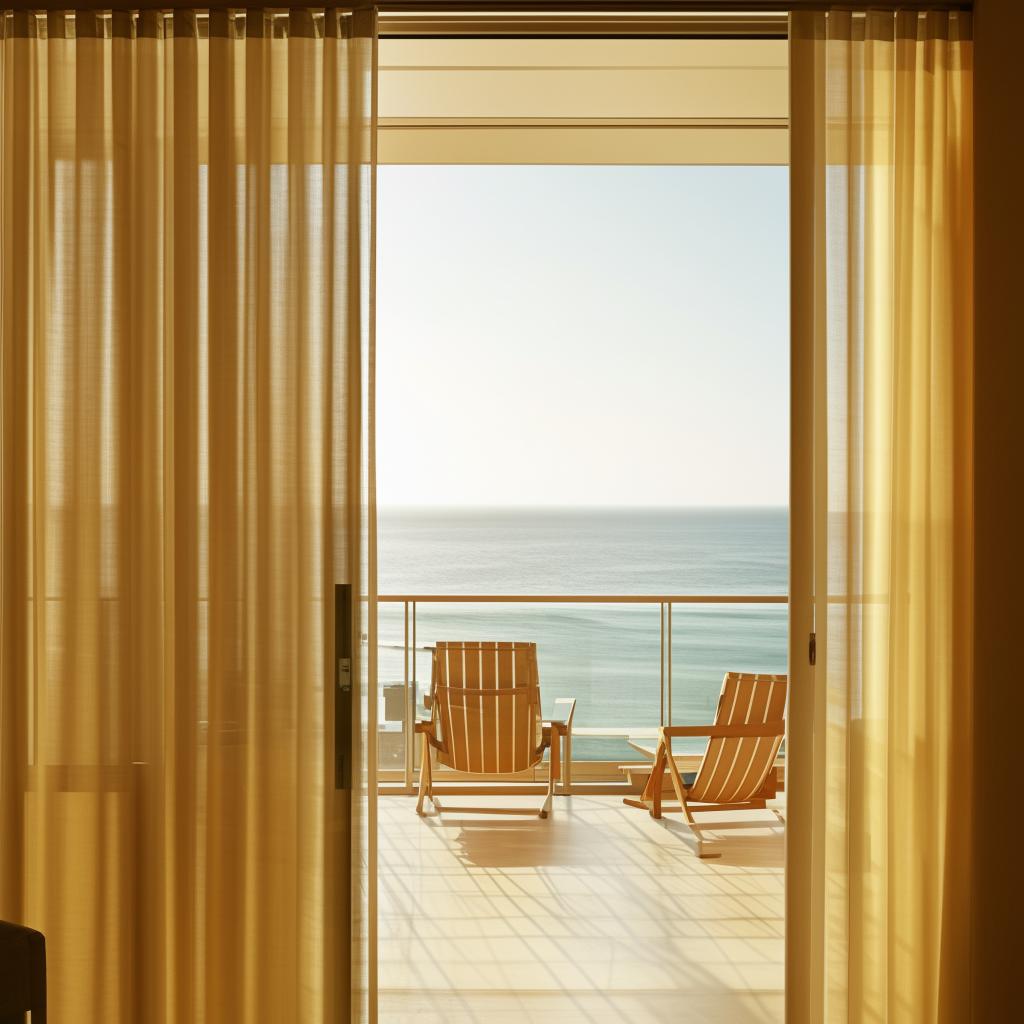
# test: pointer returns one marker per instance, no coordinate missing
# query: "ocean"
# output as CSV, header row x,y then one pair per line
x,y
606,656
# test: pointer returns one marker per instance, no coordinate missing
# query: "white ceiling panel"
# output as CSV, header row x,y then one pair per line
x,y
583,101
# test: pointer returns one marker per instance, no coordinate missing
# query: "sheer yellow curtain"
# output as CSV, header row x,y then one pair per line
x,y
881,121
183,292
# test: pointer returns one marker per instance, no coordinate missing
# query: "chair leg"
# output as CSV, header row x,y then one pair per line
x,y
425,778
545,808
677,785
566,772
554,771
656,782
677,781
645,796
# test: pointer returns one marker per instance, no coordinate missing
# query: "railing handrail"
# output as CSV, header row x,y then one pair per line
x,y
583,598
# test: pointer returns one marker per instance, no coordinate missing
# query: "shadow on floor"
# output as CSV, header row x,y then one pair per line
x,y
429,1007
524,843
754,846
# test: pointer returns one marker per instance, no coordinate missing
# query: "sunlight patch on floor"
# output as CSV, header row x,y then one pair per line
x,y
598,913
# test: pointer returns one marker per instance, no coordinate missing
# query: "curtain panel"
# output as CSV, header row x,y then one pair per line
x,y
882,190
184,348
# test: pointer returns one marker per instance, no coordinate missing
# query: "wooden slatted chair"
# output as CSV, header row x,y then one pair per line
x,y
485,719
737,771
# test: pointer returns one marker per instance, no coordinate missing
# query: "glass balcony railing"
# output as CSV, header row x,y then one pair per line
x,y
633,663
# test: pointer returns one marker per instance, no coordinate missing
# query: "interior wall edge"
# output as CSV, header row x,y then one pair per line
x,y
998,700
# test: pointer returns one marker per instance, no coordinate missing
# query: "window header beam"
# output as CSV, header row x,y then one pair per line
x,y
587,25
569,100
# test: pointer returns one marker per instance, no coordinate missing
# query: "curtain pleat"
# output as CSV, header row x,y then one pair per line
x,y
893,353
184,219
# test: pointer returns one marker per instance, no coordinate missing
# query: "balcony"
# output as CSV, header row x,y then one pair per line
x,y
599,913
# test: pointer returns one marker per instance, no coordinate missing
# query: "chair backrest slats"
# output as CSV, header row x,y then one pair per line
x,y
487,698
734,768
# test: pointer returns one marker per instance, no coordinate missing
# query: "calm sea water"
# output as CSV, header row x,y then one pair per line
x,y
607,656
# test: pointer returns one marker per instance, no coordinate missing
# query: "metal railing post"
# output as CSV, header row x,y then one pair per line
x,y
408,733
669,639
661,637
410,776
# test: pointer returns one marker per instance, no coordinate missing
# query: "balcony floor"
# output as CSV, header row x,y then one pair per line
x,y
597,914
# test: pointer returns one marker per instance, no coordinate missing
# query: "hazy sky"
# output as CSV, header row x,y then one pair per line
x,y
583,335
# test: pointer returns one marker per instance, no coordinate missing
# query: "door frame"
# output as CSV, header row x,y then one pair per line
x,y
801,951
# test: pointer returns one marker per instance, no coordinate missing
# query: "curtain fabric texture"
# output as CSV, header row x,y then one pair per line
x,y
881,122
184,221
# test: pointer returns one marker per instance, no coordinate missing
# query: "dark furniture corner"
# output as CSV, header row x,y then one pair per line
x,y
22,974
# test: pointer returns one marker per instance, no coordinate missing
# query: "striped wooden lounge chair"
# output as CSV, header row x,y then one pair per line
x,y
737,771
485,719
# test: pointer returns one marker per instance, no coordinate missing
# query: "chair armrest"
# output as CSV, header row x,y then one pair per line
x,y
425,727
561,729
563,721
756,730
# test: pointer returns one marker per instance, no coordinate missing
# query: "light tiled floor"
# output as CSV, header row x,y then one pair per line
x,y
598,914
